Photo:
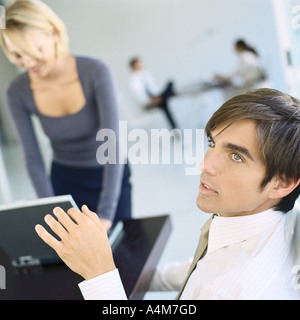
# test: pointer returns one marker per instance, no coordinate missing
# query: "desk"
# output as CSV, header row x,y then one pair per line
x,y
136,251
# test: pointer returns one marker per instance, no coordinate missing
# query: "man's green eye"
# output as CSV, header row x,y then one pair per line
x,y
211,144
235,157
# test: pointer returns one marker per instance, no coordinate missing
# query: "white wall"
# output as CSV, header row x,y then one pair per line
x,y
186,40
183,40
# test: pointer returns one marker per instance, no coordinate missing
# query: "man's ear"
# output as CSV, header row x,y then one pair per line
x,y
283,187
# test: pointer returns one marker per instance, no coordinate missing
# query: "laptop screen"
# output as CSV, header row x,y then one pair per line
x,y
18,237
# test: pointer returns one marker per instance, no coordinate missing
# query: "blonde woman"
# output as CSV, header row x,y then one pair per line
x,y
73,97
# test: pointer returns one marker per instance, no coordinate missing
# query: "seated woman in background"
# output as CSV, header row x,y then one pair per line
x,y
248,73
73,97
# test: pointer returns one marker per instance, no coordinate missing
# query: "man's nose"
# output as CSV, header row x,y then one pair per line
x,y
209,163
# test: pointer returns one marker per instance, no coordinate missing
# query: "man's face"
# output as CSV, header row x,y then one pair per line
x,y
232,172
138,65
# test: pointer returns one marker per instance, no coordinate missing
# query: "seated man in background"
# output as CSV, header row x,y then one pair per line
x,y
249,182
146,93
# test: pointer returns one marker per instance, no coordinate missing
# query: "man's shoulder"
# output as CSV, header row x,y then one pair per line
x,y
297,205
296,213
293,229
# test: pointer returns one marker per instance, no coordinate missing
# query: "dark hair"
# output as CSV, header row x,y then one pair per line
x,y
245,46
277,118
133,61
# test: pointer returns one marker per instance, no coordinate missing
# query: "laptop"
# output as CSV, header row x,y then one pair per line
x,y
18,237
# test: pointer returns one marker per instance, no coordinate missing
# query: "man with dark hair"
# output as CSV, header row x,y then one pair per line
x,y
146,93
249,182
276,118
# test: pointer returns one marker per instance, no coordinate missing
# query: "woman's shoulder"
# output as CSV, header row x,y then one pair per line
x,y
90,63
19,83
92,69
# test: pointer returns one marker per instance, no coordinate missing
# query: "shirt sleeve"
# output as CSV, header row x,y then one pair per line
x,y
108,110
21,119
104,287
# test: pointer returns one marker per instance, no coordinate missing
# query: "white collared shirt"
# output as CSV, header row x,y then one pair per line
x,y
142,86
248,257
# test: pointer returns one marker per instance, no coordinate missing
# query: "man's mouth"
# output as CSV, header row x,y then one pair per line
x,y
206,188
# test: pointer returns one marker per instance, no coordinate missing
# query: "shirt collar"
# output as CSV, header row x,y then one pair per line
x,y
225,231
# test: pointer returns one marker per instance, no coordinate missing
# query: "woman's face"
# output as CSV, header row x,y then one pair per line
x,y
238,49
45,45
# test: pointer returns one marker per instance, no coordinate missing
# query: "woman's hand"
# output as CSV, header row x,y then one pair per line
x,y
106,224
84,245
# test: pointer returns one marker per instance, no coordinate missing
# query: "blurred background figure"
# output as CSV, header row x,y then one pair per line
x,y
248,73
146,93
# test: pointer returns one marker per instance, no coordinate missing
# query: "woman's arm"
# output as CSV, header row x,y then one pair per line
x,y
23,126
108,110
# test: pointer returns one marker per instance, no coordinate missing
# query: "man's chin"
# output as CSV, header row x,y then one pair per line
x,y
201,206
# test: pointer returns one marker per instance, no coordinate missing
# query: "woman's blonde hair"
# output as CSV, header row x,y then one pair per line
x,y
23,15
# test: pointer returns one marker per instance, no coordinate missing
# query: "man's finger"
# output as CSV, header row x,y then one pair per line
x,y
64,218
92,215
47,237
76,215
56,226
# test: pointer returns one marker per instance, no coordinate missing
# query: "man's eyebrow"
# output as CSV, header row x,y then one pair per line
x,y
240,149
